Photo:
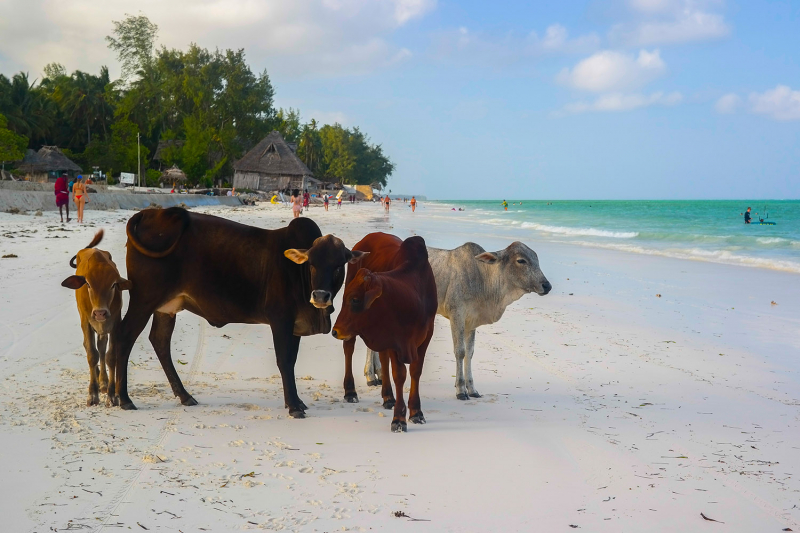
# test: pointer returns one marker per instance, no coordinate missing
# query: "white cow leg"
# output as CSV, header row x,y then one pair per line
x,y
468,365
459,347
372,368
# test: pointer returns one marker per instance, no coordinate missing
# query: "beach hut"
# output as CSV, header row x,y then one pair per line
x,y
173,175
47,165
272,165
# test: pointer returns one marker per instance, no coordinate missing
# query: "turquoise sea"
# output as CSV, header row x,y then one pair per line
x,y
706,230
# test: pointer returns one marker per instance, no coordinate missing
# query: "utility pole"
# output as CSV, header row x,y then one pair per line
x,y
139,160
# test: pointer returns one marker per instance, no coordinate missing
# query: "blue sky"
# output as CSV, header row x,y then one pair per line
x,y
614,99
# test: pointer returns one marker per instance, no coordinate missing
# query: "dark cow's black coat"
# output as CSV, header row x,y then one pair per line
x,y
226,272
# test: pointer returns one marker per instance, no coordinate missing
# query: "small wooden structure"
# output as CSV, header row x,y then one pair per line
x,y
173,175
272,165
47,165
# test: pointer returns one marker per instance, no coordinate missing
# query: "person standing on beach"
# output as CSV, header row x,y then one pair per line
x,y
505,205
62,196
79,197
306,199
297,203
386,202
325,200
747,216
413,204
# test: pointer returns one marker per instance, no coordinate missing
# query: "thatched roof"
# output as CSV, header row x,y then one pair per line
x,y
47,159
162,145
272,157
173,174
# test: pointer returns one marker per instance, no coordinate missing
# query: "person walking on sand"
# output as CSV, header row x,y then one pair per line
x,y
386,202
505,205
339,202
297,203
62,196
325,200
306,199
413,204
79,197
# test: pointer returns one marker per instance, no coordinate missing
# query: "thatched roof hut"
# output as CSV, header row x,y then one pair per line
x,y
47,164
173,175
272,165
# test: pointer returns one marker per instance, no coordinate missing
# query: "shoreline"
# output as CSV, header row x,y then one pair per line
x,y
604,406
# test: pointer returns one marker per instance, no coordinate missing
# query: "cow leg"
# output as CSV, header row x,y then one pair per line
x,y
286,346
130,328
160,339
372,369
459,347
350,394
470,349
102,349
386,382
414,403
92,357
399,424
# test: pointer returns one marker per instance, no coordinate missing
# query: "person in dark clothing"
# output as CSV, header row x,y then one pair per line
x,y
62,196
747,216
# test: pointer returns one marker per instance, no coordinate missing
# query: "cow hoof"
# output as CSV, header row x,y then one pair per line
x,y
462,396
129,406
93,399
399,426
418,418
189,401
388,404
112,401
302,405
297,413
474,395
351,397
374,383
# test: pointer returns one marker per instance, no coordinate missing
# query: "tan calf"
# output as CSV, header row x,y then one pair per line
x,y
98,291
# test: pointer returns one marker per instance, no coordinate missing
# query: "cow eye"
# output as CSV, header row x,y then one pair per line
x,y
521,261
354,301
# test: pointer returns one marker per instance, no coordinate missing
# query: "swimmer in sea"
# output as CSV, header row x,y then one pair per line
x,y
505,205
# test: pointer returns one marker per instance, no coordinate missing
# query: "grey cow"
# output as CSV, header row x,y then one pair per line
x,y
474,288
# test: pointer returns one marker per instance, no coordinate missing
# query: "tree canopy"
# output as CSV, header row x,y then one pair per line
x,y
210,100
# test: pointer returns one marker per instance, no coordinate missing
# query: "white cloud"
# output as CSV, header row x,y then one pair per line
x,y
728,103
671,22
612,71
478,47
780,103
299,38
624,102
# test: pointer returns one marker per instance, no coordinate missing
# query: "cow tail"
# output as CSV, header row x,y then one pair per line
x,y
133,241
95,241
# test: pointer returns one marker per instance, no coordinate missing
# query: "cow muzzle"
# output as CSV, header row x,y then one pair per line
x,y
321,299
546,288
339,334
100,315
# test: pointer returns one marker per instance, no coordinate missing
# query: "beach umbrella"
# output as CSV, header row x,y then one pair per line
x,y
174,174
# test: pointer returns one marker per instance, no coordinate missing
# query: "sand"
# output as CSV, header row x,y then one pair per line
x,y
605,407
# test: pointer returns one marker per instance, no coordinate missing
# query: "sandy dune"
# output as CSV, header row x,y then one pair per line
x,y
605,408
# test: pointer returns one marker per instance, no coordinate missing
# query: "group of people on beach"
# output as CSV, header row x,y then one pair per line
x,y
77,188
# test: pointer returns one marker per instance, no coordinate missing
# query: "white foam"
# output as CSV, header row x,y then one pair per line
x,y
589,232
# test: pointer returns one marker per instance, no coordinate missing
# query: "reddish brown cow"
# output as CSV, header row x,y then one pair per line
x,y
98,290
392,308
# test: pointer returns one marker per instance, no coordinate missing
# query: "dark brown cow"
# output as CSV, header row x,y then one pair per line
x,y
227,272
98,291
392,309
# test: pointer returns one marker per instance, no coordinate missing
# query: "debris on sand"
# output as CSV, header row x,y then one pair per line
x,y
710,519
773,302
38,213
10,256
14,210
153,205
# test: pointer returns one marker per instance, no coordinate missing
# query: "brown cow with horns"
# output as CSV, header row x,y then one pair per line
x,y
390,302
227,272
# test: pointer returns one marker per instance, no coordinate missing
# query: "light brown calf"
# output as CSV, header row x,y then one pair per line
x,y
98,291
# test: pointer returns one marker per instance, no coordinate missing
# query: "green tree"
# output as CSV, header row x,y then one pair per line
x,y
134,42
12,146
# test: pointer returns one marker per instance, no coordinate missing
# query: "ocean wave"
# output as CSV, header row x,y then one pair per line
x,y
588,232
699,254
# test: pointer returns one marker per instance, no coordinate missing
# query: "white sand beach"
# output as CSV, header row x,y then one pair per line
x,y
605,407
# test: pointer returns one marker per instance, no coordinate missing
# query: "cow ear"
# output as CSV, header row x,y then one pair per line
x,y
74,282
124,285
372,294
357,256
487,257
298,256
